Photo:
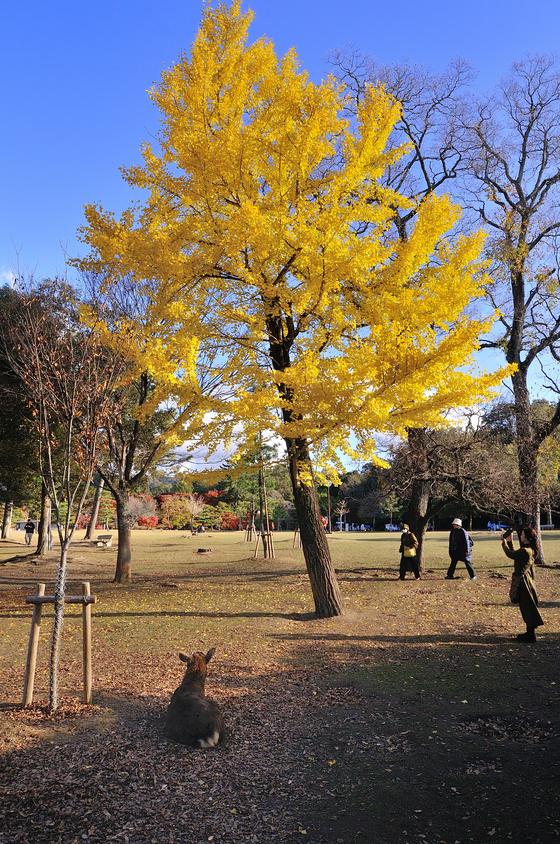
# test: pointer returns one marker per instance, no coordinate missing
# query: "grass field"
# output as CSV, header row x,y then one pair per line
x,y
416,716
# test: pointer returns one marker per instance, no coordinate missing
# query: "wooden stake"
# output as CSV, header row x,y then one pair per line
x,y
297,538
86,625
86,599
268,549
32,648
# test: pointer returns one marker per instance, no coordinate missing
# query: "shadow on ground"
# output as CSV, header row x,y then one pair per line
x,y
355,739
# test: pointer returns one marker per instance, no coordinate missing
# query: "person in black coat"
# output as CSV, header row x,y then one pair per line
x,y
409,554
460,550
29,529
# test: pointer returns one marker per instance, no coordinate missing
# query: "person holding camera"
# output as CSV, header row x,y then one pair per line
x,y
522,590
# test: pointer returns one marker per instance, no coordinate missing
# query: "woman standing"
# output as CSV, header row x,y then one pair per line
x,y
409,557
522,590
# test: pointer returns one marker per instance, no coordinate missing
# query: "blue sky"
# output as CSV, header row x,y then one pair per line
x,y
74,78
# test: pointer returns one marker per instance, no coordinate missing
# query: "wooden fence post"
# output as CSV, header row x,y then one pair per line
x,y
86,625
32,648
85,599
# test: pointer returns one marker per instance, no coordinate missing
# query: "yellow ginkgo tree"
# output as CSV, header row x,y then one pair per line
x,y
266,234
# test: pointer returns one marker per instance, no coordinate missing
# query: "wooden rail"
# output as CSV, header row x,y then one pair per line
x,y
86,599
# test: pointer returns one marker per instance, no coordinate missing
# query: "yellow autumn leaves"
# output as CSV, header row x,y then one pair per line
x,y
274,274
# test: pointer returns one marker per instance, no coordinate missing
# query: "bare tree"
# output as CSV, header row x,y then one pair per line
x,y
468,466
515,188
95,508
194,505
432,125
67,380
341,509
146,421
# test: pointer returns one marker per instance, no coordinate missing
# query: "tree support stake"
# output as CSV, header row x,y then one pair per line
x,y
86,599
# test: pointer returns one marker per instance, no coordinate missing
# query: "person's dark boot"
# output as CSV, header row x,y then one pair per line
x,y
529,636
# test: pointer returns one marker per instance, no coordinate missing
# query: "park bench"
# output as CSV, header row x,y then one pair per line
x,y
104,540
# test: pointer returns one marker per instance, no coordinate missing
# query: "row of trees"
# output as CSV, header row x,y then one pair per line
x,y
470,471
191,510
294,269
500,158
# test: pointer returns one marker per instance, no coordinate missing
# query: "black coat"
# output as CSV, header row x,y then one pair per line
x,y
460,546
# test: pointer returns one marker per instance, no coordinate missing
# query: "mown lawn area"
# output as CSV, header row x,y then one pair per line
x,y
415,717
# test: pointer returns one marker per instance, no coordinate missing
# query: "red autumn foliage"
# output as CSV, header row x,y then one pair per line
x,y
230,521
147,521
211,497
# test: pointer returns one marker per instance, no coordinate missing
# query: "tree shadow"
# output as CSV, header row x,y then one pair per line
x,y
207,614
237,574
475,639
308,746
387,639
19,581
9,706
30,557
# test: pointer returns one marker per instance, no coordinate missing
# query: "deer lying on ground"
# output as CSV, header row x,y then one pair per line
x,y
193,718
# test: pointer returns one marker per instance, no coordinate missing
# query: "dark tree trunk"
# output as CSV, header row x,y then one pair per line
x,y
527,459
44,522
7,518
322,576
123,572
324,586
94,510
417,521
416,513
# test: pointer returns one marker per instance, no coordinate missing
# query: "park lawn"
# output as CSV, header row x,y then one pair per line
x,y
414,717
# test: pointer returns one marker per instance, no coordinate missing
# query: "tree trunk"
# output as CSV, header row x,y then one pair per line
x,y
95,509
324,585
7,519
58,622
416,513
326,592
44,522
261,503
123,573
527,459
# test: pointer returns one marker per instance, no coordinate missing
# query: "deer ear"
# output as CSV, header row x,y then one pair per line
x,y
183,656
209,655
